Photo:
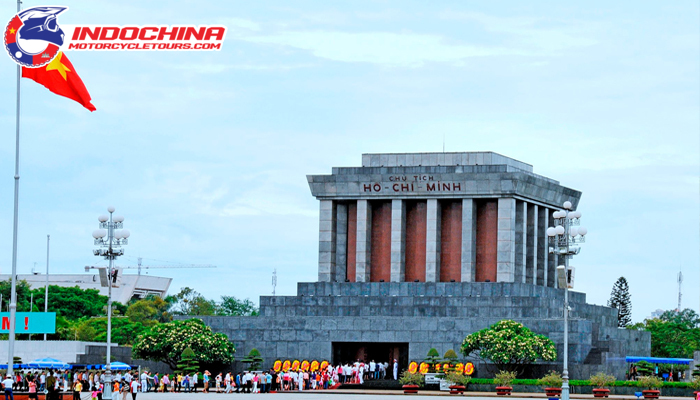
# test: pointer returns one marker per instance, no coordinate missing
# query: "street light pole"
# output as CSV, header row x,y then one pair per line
x,y
562,236
110,250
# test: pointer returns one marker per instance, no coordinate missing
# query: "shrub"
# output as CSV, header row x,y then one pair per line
x,y
509,345
601,379
649,382
408,378
552,379
695,383
457,378
504,378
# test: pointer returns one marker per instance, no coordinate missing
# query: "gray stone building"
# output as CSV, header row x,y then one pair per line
x,y
418,251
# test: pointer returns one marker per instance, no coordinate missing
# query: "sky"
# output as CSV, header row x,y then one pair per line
x,y
206,154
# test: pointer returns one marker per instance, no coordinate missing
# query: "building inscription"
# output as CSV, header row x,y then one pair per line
x,y
412,184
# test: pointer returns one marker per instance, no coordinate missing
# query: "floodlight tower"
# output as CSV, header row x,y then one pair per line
x,y
110,237
563,236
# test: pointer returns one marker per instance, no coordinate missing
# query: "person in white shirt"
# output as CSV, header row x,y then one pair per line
x,y
227,382
144,382
248,381
396,370
195,380
372,369
134,388
218,382
7,385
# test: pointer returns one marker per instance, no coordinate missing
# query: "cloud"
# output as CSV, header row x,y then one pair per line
x,y
386,48
541,35
209,68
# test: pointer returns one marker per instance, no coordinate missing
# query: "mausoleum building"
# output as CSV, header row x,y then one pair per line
x,y
416,251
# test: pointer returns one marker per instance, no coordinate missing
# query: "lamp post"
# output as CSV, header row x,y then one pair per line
x,y
563,238
110,237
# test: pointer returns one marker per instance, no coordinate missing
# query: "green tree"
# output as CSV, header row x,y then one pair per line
x,y
509,345
85,332
149,311
232,306
71,302
191,302
620,299
674,334
124,331
188,364
253,359
166,342
23,292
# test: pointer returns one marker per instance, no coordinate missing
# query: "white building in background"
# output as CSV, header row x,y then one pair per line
x,y
657,313
130,286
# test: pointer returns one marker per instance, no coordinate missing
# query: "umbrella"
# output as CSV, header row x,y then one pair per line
x,y
119,366
48,363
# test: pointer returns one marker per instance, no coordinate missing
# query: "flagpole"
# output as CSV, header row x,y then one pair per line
x,y
13,293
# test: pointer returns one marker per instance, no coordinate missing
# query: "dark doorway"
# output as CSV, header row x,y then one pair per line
x,y
349,352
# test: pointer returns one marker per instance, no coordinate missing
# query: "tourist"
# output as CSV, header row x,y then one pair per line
x,y
248,381
255,382
205,379
218,383
125,388
396,370
165,382
195,381
32,389
134,388
268,379
115,390
77,388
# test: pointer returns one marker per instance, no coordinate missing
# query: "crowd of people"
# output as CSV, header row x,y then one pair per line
x,y
125,383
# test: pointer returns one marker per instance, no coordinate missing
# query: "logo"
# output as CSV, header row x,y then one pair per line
x,y
33,37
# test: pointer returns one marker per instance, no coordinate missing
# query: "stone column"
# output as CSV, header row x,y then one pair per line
x,y
326,241
544,212
364,241
341,242
520,241
532,224
541,275
432,242
552,267
506,240
468,240
398,240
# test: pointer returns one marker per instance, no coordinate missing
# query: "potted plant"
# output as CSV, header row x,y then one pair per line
x,y
459,382
503,381
600,380
411,382
652,383
552,383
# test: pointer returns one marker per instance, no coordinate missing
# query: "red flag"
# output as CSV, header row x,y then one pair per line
x,y
60,77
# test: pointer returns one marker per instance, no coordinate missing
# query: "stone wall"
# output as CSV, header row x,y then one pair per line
x,y
427,315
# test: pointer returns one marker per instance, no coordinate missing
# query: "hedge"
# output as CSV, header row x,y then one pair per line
x,y
574,382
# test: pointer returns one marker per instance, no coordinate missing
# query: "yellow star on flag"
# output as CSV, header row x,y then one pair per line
x,y
12,31
55,64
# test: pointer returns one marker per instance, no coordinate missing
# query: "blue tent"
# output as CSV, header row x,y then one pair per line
x,y
44,363
15,366
658,360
